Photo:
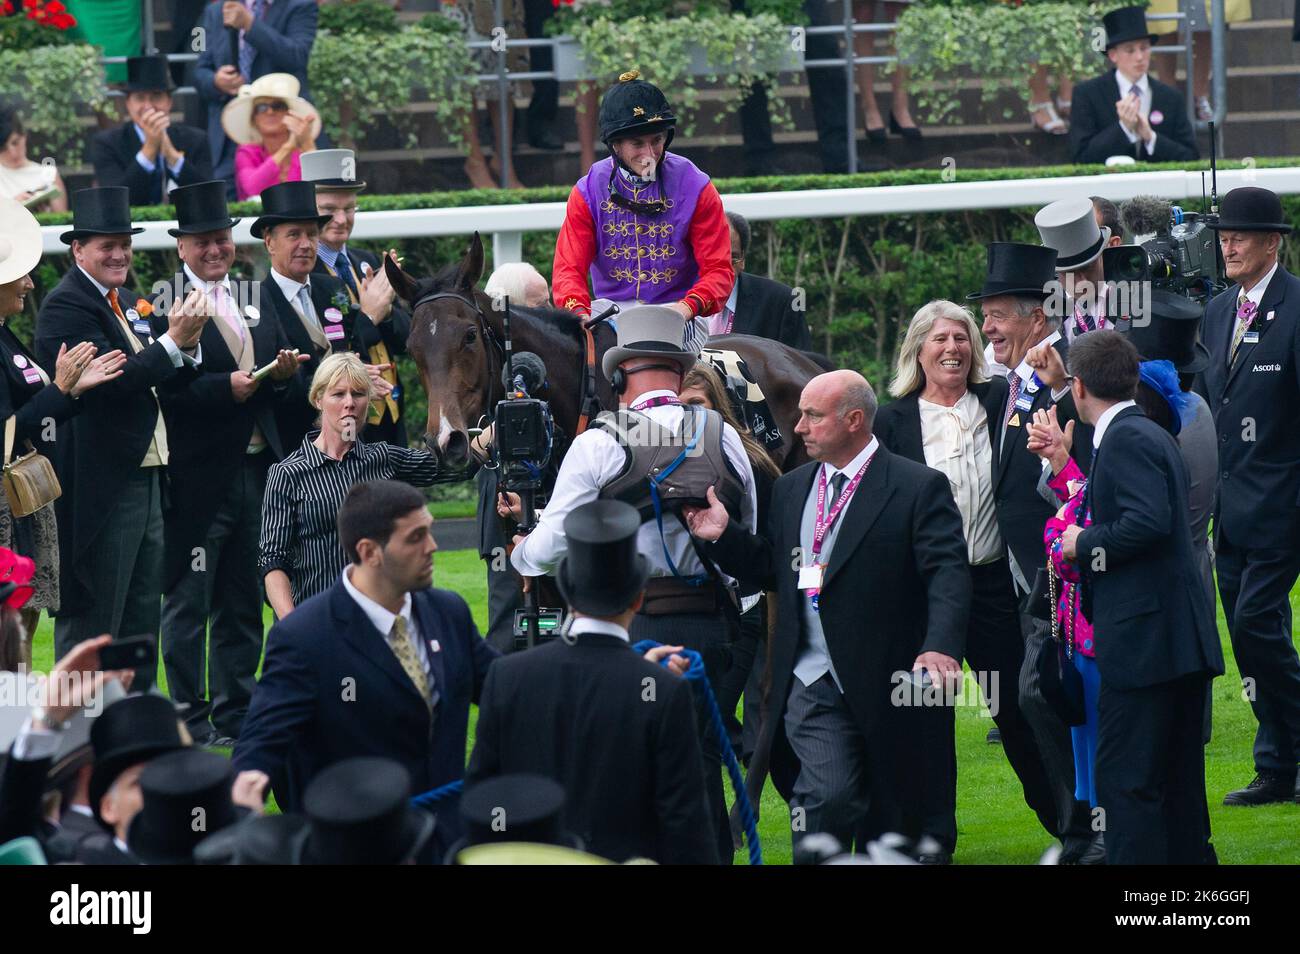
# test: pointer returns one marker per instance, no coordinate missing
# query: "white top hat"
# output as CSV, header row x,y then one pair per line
x,y
1070,227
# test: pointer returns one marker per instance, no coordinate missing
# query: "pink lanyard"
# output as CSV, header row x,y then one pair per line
x,y
822,527
659,401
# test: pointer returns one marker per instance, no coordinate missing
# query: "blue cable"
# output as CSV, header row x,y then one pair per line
x,y
435,795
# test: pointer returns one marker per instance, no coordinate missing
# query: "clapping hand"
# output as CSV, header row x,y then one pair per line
x,y
376,295
286,364
1048,441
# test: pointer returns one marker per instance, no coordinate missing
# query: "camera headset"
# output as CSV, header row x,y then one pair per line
x,y
618,379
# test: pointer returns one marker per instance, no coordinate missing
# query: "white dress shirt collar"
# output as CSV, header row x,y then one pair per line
x,y
1125,84
378,615
1256,292
1107,416
735,293
103,289
851,469
206,287
288,286
588,624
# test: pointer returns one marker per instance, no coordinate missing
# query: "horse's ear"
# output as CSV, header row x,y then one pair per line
x,y
471,266
403,284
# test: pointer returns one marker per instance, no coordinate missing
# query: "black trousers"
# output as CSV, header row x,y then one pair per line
x,y
710,636
1255,586
1151,773
546,93
212,615
826,86
744,676
995,651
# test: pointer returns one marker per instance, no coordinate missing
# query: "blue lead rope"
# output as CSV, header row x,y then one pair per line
x,y
696,675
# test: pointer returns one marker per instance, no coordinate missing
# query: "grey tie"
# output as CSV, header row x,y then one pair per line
x,y
304,303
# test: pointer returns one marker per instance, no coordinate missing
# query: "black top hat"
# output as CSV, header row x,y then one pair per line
x,y
360,814
256,840
186,799
1251,209
288,202
1170,333
1125,24
602,573
102,211
517,807
147,73
1015,268
633,107
200,208
128,732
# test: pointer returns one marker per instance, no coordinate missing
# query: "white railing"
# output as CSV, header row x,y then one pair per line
x,y
507,223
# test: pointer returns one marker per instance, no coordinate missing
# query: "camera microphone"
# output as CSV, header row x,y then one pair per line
x,y
529,369
1146,215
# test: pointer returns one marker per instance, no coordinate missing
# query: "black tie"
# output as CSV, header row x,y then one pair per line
x,y
837,487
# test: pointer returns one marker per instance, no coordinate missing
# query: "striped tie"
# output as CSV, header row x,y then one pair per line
x,y
1245,316
1013,381
246,51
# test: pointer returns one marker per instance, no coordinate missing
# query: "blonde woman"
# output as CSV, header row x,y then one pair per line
x,y
945,415
300,551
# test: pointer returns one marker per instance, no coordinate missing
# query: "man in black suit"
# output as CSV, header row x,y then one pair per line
x,y
865,551
224,438
268,38
1126,112
314,310
1026,339
757,305
1157,645
333,172
149,155
111,458
1253,383
381,664
616,731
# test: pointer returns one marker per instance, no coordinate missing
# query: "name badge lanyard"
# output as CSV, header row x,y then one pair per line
x,y
822,527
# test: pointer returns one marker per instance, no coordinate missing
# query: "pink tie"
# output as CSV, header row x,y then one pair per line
x,y
1013,380
223,306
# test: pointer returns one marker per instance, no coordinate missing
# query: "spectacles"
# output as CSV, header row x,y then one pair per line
x,y
276,107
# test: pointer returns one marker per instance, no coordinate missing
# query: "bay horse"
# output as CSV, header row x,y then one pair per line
x,y
457,343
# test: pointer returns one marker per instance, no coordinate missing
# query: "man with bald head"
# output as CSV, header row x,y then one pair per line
x,y
866,553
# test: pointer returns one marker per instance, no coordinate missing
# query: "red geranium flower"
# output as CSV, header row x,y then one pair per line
x,y
55,7
18,570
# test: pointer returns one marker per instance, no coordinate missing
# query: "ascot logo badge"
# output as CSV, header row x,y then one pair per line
x,y
77,907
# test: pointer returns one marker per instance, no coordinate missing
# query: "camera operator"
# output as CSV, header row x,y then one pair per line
x,y
687,602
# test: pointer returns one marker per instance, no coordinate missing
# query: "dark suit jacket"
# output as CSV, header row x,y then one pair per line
x,y
296,418
283,39
331,688
112,152
33,404
208,434
630,767
22,782
896,584
101,447
898,424
766,308
394,331
1095,133
1254,404
1147,602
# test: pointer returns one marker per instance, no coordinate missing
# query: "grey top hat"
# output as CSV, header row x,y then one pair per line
x,y
331,169
649,331
1070,227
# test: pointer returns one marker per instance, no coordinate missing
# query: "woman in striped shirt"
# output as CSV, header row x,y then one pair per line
x,y
300,551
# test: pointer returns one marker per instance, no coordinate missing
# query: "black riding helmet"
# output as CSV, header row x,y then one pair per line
x,y
633,107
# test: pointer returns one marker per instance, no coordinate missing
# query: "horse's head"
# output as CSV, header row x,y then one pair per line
x,y
455,349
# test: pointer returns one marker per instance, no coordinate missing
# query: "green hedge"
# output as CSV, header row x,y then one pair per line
x,y
858,300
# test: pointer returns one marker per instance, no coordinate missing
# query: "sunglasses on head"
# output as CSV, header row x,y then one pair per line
x,y
276,107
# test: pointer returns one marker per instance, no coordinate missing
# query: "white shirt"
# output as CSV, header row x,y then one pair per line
x,y
957,443
150,166
1144,90
849,470
383,620
173,350
593,460
290,289
587,624
1256,292
1107,416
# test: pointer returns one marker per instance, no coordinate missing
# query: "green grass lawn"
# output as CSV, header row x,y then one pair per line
x,y
994,824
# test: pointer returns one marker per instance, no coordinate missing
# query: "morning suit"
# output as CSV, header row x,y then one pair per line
x,y
220,453
765,308
113,154
896,584
995,648
110,513
296,418
332,688
1096,134
394,330
1156,645
628,759
1257,520
281,38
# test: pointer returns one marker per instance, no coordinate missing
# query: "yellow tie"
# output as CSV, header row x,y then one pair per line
x,y
399,641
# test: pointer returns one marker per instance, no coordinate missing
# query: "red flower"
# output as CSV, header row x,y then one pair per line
x,y
63,21
30,4
55,7
18,570
6,7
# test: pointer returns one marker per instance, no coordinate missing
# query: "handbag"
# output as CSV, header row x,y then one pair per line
x,y
1059,682
29,482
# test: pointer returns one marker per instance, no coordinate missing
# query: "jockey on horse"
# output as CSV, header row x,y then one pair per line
x,y
645,224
